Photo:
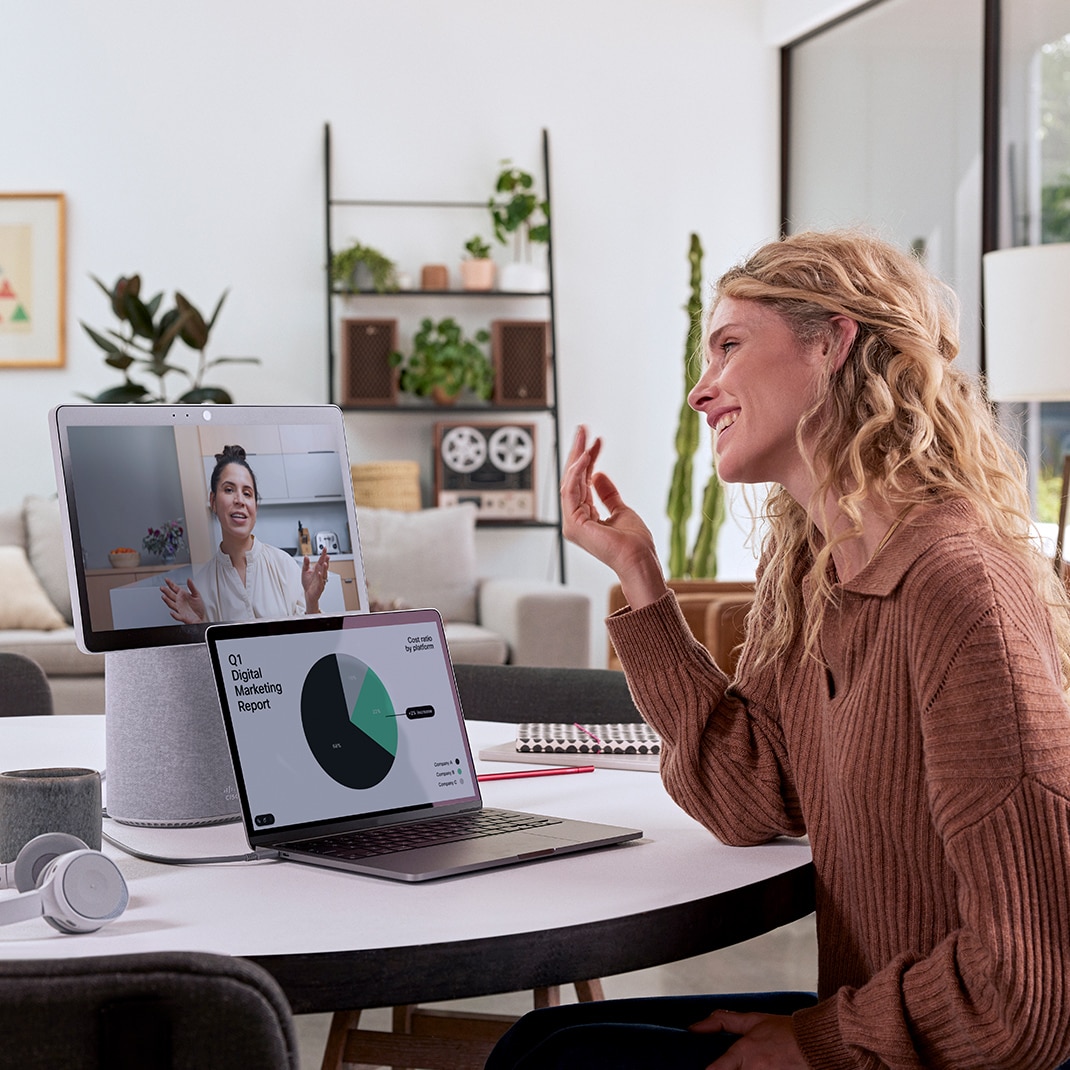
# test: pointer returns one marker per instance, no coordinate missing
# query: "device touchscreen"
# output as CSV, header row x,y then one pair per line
x,y
160,501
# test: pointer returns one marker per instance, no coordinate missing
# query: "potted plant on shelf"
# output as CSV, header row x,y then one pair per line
x,y
516,209
443,362
477,269
360,267
146,338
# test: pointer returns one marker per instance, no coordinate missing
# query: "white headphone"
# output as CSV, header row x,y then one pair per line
x,y
76,889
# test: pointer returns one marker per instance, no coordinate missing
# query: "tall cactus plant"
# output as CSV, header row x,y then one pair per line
x,y
701,562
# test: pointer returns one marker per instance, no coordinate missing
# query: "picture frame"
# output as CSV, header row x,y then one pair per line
x,y
32,280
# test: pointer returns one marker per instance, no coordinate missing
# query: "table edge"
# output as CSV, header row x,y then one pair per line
x,y
379,977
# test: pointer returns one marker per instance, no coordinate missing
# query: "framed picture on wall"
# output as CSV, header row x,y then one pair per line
x,y
32,280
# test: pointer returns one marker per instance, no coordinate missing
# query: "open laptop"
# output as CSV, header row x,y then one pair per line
x,y
350,750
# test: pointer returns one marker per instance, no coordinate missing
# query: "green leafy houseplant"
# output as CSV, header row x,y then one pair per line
x,y
443,362
145,341
515,209
477,248
701,561
381,269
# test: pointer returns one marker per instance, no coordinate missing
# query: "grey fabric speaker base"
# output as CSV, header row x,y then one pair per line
x,y
168,763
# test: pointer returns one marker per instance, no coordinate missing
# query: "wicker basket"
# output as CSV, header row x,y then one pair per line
x,y
387,485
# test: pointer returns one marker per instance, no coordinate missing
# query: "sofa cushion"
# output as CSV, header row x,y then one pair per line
x,y
425,558
469,644
12,528
44,545
56,652
24,604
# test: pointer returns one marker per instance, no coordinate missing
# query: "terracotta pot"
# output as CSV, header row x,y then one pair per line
x,y
441,397
477,274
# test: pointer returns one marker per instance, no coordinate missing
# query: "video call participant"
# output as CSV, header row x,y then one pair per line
x,y
246,577
901,696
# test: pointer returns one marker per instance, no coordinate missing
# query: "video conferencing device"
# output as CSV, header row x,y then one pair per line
x,y
126,470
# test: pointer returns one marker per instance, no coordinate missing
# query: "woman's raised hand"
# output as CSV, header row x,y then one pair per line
x,y
620,540
314,580
185,603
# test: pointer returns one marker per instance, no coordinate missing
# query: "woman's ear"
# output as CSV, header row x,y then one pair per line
x,y
842,334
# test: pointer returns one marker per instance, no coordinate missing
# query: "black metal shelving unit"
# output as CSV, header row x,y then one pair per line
x,y
333,293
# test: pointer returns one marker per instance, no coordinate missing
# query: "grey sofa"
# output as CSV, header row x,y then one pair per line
x,y
411,559
76,678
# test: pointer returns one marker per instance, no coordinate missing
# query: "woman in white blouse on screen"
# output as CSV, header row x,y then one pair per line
x,y
245,577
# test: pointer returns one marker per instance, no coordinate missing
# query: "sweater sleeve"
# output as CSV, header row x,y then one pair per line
x,y
994,991
723,761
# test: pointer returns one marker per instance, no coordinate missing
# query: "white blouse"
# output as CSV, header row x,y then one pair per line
x,y
272,585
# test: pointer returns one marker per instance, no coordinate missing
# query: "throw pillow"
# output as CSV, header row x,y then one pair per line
x,y
23,602
425,558
44,542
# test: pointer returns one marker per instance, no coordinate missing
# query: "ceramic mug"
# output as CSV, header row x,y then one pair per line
x,y
35,801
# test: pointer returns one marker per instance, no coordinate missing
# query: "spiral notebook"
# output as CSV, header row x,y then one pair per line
x,y
611,746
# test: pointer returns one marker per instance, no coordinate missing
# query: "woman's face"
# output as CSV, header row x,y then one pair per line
x,y
234,501
757,383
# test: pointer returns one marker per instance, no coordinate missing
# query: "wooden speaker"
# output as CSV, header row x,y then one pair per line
x,y
367,377
521,353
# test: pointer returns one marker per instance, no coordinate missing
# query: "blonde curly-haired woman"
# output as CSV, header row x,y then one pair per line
x,y
901,697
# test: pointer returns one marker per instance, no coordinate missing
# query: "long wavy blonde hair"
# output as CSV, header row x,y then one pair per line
x,y
897,423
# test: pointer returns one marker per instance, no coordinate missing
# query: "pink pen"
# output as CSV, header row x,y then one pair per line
x,y
537,772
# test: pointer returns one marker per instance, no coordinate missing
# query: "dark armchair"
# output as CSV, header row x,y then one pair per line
x,y
159,1011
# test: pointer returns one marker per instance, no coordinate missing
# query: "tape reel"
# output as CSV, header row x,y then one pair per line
x,y
490,465
510,449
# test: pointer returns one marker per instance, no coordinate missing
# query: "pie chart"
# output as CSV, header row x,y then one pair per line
x,y
349,721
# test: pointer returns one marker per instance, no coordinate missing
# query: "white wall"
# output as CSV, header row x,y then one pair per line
x,y
785,20
188,142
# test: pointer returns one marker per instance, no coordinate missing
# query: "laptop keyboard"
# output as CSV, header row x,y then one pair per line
x,y
394,838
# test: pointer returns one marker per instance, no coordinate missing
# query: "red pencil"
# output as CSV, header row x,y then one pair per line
x,y
537,772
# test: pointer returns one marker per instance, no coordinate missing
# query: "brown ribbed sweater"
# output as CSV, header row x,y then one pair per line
x,y
930,766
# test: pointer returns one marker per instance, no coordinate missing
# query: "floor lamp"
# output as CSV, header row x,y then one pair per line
x,y
1027,334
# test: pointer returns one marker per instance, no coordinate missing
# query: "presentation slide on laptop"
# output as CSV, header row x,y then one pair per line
x,y
330,724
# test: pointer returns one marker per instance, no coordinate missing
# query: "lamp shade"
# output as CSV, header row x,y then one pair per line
x,y
1027,323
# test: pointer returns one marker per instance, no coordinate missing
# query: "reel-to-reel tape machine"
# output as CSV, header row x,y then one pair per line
x,y
491,465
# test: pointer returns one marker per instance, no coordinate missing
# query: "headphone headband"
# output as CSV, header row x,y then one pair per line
x,y
34,856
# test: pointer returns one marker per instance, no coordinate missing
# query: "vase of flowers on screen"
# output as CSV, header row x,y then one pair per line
x,y
166,541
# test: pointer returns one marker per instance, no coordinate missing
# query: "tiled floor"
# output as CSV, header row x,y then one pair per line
x,y
784,959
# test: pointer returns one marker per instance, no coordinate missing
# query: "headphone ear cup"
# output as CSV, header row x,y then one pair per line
x,y
37,853
82,891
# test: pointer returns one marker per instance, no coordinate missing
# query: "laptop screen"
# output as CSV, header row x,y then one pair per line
x,y
341,722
